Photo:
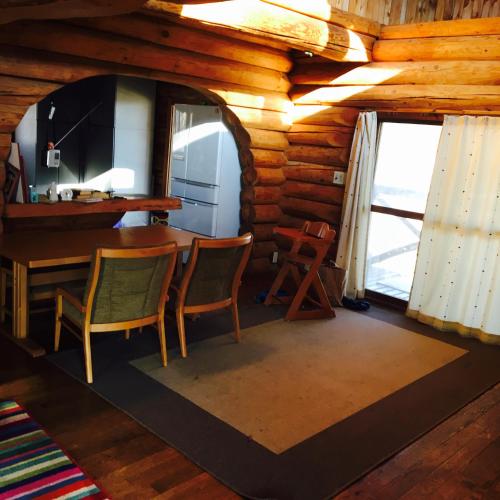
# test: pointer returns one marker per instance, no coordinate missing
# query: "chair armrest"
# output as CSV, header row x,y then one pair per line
x,y
71,299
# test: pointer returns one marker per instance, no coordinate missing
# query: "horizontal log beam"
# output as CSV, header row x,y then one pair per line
x,y
65,69
268,158
268,139
260,213
252,98
10,116
65,9
307,191
260,195
456,27
393,110
427,96
324,11
397,73
261,232
456,48
11,86
293,29
168,34
263,176
318,154
325,115
311,173
312,210
317,135
264,248
262,119
291,221
120,50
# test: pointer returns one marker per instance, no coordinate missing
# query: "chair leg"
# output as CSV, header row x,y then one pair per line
x,y
87,354
163,342
127,334
236,320
57,334
179,313
278,281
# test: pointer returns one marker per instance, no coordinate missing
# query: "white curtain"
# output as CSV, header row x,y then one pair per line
x,y
457,277
351,254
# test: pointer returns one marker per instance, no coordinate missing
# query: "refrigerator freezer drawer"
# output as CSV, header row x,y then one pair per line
x,y
202,192
195,191
178,188
195,216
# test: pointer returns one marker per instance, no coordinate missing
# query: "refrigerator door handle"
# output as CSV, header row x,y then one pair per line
x,y
200,184
197,203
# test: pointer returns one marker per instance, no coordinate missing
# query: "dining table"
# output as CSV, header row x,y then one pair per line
x,y
32,250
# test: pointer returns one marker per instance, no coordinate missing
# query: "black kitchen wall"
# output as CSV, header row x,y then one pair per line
x,y
88,151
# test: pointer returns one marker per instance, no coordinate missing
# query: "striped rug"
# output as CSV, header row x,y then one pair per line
x,y
33,466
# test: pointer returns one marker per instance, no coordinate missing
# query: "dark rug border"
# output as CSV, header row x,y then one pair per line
x,y
320,466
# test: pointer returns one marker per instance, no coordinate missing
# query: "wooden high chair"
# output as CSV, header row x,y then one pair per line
x,y
319,236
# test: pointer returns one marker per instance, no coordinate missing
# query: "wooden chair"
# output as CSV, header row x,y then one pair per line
x,y
319,236
212,279
127,288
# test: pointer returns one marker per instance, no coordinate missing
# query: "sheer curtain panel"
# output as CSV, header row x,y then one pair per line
x,y
351,254
457,278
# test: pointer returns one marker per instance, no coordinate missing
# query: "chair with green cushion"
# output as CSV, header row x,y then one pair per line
x,y
212,279
127,288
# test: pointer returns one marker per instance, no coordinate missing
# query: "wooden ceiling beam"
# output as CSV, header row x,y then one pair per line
x,y
266,21
325,11
401,96
13,10
400,72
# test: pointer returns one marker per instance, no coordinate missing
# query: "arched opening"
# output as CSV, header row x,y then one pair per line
x,y
113,134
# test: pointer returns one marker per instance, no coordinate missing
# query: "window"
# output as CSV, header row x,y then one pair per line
x,y
405,160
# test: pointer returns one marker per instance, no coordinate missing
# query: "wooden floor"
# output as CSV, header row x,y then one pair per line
x,y
457,460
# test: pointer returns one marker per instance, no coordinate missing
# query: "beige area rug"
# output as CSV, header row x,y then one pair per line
x,y
287,381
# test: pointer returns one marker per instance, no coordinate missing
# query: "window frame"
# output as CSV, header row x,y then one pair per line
x,y
387,300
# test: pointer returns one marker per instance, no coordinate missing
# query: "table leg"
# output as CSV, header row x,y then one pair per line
x,y
20,303
20,312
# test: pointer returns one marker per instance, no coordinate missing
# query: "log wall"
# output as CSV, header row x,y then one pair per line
x,y
248,81
443,67
419,72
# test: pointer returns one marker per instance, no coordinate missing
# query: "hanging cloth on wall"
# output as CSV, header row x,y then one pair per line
x,y
457,277
351,254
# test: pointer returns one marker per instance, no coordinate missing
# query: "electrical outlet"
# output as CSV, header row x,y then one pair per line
x,y
339,178
275,257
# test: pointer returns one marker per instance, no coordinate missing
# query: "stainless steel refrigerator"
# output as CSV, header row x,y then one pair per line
x,y
204,172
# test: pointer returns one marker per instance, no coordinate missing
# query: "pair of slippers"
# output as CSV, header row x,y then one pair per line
x,y
355,305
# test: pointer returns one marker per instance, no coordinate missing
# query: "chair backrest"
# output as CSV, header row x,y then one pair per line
x,y
214,269
129,283
319,230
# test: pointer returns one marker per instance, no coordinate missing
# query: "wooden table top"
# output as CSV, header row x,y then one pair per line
x,y
45,249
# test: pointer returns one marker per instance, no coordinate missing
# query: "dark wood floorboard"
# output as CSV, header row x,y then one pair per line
x,y
459,459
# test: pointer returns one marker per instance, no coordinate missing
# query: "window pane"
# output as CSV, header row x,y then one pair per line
x,y
405,161
392,253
